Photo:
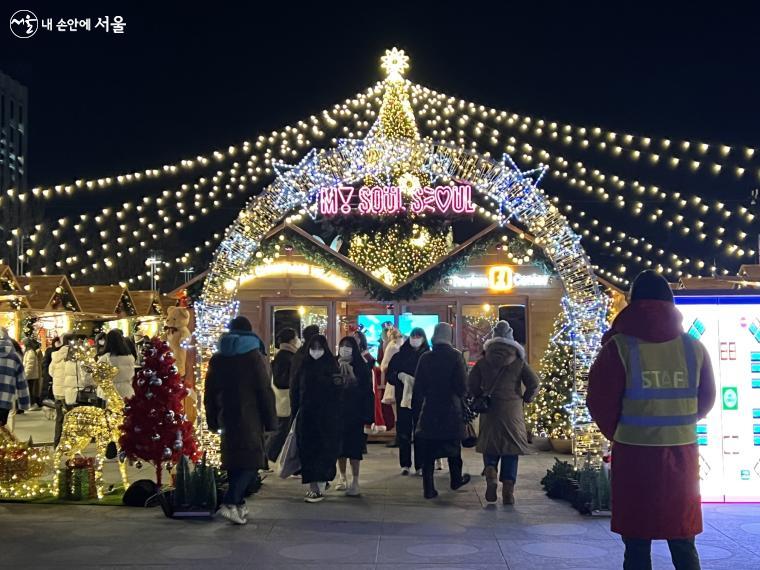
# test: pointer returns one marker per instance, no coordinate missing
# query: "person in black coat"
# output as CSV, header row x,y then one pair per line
x,y
400,373
315,397
440,384
287,346
302,352
239,403
358,410
47,379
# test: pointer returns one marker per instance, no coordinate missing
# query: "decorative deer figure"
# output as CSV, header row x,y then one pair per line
x,y
85,423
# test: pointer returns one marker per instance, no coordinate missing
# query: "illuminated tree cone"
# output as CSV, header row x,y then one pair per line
x,y
155,428
549,414
395,254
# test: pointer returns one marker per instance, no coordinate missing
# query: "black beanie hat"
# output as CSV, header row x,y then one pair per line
x,y
241,324
650,285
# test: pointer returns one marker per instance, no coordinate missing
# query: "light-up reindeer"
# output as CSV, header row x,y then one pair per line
x,y
85,423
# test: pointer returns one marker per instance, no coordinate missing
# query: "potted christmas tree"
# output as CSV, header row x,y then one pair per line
x,y
548,416
155,428
195,492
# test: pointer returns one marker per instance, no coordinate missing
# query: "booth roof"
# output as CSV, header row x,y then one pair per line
x,y
40,290
144,303
101,300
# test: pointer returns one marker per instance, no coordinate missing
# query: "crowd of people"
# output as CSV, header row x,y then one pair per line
x,y
31,380
327,404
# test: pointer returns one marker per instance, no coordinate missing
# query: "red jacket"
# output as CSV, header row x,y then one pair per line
x,y
655,490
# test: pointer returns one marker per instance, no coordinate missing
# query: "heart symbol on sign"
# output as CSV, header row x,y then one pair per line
x,y
443,198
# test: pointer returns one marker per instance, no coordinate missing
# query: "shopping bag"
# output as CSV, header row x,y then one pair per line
x,y
470,438
389,395
289,460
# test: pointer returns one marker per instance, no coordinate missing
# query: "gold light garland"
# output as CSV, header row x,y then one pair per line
x,y
21,466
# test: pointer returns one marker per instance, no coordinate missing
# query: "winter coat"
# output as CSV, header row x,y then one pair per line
x,y
390,350
68,376
126,372
46,360
315,395
32,364
13,385
358,409
438,390
281,378
239,401
655,490
502,428
405,360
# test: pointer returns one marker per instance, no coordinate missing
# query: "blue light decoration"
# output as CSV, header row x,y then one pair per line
x,y
502,193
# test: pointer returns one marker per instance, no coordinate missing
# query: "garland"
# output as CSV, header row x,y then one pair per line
x,y
272,249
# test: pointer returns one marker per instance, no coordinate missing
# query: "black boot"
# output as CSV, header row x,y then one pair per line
x,y
428,481
455,471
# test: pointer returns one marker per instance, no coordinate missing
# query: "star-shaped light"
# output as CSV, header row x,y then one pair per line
x,y
395,62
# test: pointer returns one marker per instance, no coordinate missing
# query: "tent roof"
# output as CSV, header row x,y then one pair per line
x,y
41,289
101,300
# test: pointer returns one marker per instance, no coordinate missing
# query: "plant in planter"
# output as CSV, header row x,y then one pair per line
x,y
560,482
195,492
548,416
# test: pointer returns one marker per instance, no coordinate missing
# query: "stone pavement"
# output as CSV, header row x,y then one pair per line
x,y
390,526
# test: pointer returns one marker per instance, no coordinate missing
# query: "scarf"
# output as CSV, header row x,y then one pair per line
x,y
346,371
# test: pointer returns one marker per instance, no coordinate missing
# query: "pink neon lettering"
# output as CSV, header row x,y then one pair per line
x,y
365,200
443,198
345,193
462,202
328,201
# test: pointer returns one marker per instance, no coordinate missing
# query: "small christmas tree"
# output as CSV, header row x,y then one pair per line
x,y
549,414
155,428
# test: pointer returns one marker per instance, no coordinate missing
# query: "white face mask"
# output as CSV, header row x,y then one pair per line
x,y
316,353
416,341
101,342
345,352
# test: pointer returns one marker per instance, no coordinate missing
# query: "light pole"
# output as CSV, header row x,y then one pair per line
x,y
188,273
154,263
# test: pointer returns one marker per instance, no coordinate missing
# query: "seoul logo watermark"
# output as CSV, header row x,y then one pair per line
x,y
24,24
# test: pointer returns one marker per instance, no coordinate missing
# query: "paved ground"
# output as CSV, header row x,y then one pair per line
x,y
391,526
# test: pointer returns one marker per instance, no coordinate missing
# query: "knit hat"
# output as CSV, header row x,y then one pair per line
x,y
650,285
241,324
503,333
443,334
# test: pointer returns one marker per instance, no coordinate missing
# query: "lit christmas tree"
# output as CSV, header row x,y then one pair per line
x,y
549,414
155,428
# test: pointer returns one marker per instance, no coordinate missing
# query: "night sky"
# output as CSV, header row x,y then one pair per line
x,y
186,79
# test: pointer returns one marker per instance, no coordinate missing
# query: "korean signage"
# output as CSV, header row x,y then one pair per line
x,y
389,200
499,278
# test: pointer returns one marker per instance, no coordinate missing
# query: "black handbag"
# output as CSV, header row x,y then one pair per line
x,y
481,404
470,438
88,396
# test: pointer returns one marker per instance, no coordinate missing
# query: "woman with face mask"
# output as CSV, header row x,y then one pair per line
x,y
316,398
100,343
400,373
358,410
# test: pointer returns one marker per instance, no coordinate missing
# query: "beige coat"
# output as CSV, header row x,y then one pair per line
x,y
502,428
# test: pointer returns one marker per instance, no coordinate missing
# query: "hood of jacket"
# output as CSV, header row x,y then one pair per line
x,y
238,342
124,360
497,353
647,320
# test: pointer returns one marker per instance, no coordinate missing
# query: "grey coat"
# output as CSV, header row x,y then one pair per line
x,y
502,428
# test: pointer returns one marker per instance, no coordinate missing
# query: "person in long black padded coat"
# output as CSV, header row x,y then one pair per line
x,y
358,410
316,398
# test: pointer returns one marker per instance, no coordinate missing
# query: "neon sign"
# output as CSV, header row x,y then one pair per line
x,y
388,200
499,278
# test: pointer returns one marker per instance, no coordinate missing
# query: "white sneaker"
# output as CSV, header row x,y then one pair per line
x,y
353,489
405,471
230,512
314,497
439,464
418,473
243,510
342,485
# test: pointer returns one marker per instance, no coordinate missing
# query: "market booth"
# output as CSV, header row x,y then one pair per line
x,y
53,306
149,312
105,307
12,302
295,290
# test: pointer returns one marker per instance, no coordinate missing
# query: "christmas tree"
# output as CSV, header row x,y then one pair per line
x,y
155,428
549,414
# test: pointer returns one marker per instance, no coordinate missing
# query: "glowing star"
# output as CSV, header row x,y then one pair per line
x,y
408,183
395,62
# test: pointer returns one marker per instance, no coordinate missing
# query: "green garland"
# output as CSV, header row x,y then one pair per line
x,y
273,249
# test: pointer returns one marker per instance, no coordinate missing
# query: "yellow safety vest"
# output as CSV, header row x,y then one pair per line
x,y
660,400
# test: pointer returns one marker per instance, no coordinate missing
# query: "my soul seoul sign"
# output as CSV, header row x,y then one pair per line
x,y
380,200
